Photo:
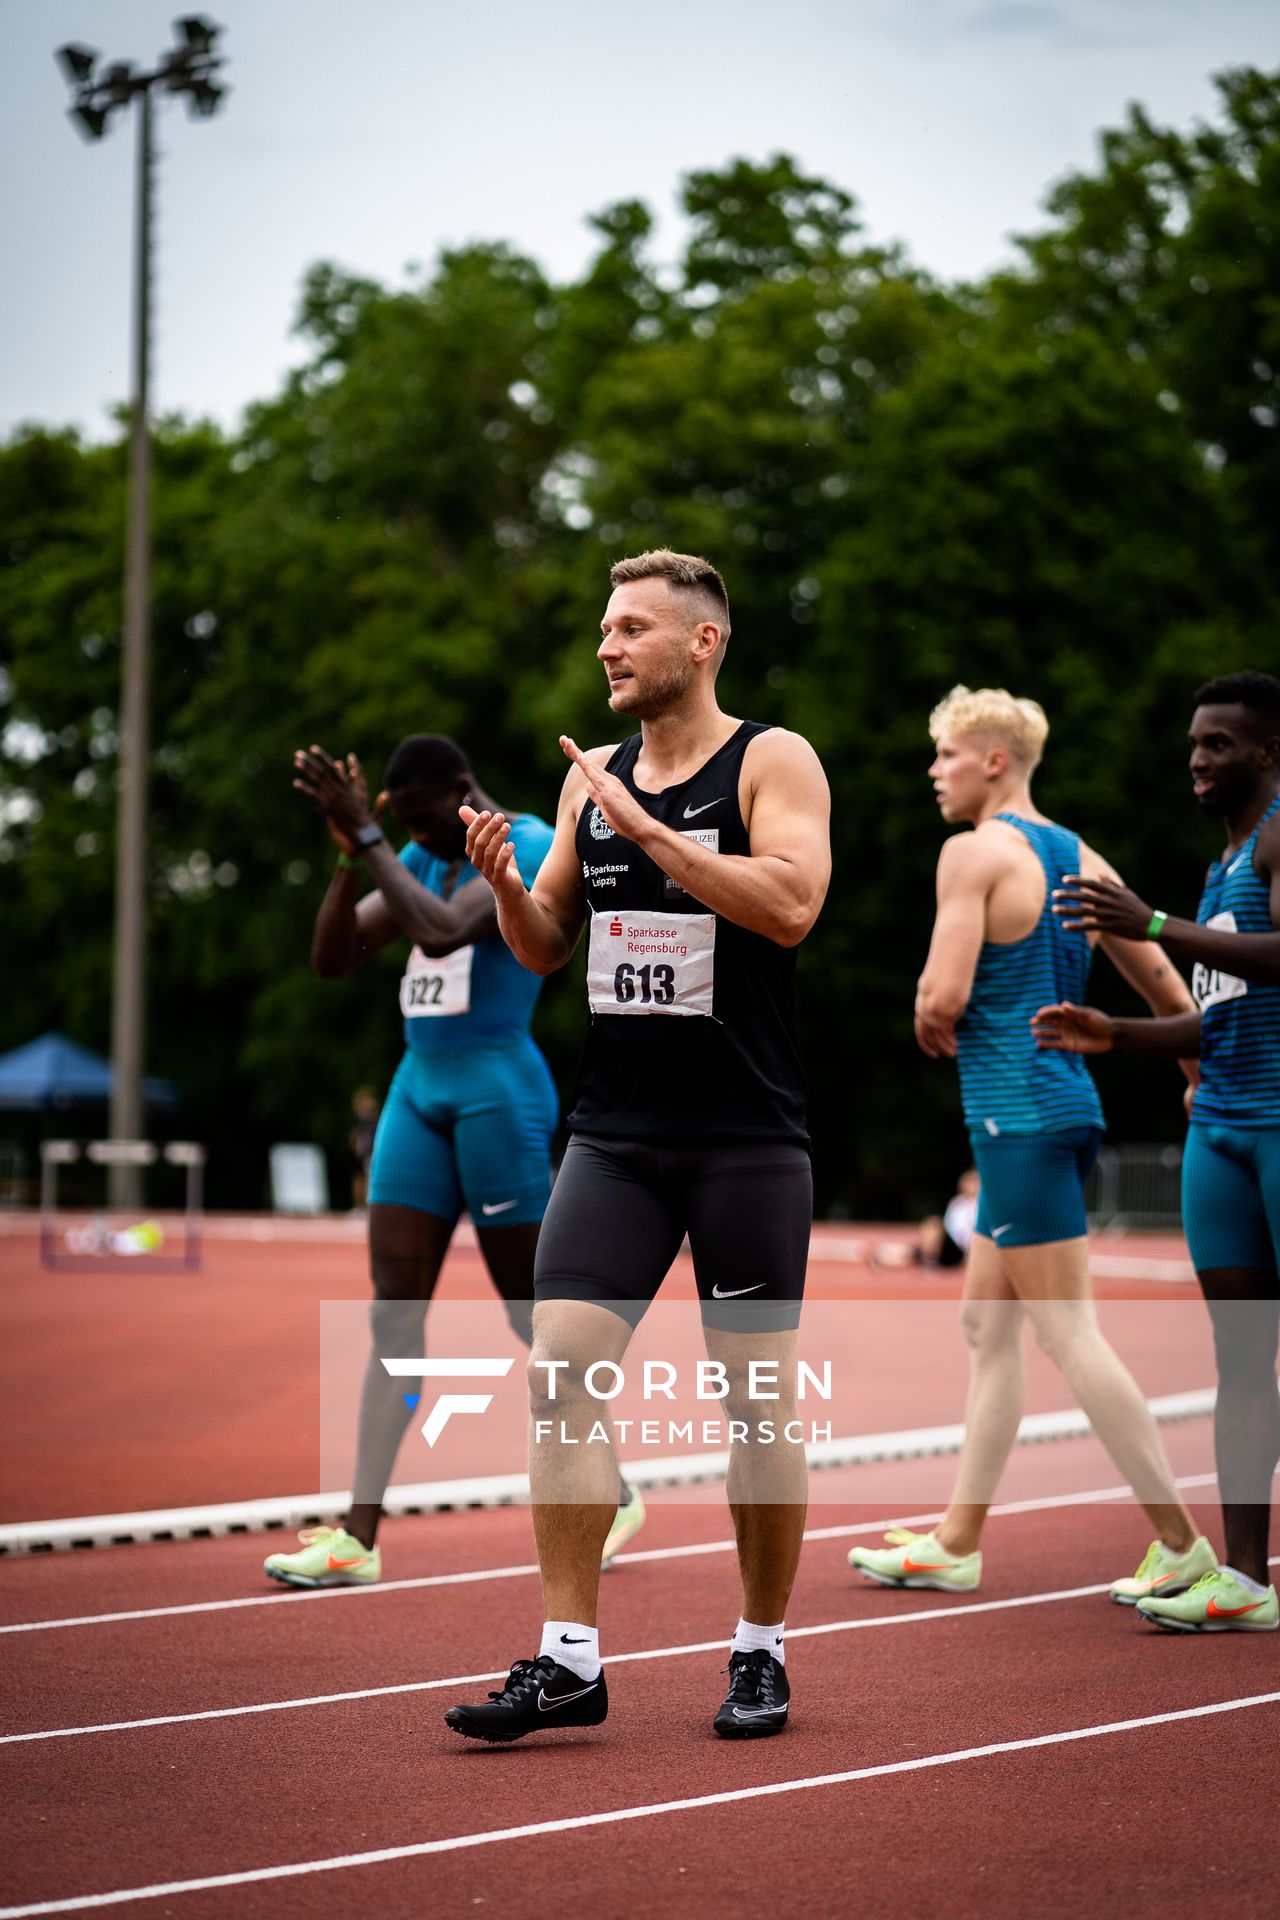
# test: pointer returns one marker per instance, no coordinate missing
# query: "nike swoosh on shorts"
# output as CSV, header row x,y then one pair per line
x,y
501,1207
733,1292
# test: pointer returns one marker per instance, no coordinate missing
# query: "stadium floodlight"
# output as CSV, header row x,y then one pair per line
x,y
92,121
187,68
204,98
77,63
198,32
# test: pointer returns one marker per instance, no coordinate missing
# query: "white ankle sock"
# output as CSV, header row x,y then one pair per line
x,y
749,1638
573,1645
1250,1586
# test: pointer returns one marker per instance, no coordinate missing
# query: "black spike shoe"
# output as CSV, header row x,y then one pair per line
x,y
758,1697
538,1696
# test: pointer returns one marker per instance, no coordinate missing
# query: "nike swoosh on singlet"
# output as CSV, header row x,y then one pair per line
x,y
733,1292
691,813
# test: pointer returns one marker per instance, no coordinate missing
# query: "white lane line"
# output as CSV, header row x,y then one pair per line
x,y
918,1616
457,1842
1096,1497
280,1597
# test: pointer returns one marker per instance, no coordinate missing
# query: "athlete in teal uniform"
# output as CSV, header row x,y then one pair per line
x,y
1231,1167
470,1114
1035,1122
471,1109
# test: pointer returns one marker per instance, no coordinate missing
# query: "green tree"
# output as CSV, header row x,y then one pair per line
x,y
1061,480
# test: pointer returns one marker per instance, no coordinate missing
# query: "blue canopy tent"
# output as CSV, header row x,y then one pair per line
x,y
51,1075
55,1072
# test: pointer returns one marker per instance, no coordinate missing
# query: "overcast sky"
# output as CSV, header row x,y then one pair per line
x,y
375,134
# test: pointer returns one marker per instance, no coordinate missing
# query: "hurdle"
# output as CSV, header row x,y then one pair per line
x,y
55,1154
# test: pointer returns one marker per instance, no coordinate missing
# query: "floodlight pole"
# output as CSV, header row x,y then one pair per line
x,y
129,992
189,68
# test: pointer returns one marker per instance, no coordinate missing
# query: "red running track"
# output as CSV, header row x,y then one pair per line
x,y
135,1391
151,1392
1150,1819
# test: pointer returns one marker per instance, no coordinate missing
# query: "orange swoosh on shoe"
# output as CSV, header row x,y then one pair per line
x,y
1165,1576
357,1562
1229,1613
927,1566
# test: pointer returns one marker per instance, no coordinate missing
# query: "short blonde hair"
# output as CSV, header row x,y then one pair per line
x,y
1019,725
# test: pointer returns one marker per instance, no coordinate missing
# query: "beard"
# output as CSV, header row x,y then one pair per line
x,y
662,688
1228,797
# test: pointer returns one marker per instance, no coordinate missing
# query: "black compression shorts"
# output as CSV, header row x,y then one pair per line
x,y
620,1210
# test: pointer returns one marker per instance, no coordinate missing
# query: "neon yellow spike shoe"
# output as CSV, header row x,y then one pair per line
x,y
1217,1603
1164,1572
627,1522
330,1557
916,1560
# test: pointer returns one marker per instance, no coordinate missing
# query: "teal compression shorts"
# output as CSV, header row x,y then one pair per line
x,y
1033,1184
1231,1196
468,1127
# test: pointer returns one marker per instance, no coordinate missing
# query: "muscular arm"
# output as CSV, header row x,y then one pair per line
x,y
1249,956
1097,905
346,934
1070,1029
349,932
968,868
1172,1037
541,926
778,888
437,926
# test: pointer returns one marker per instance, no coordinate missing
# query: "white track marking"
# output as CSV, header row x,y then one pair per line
x,y
512,1489
456,1843
918,1616
280,1599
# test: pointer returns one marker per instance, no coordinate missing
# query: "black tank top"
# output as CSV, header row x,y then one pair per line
x,y
648,1073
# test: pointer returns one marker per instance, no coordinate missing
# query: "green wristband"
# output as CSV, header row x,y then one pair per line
x,y
347,864
1155,926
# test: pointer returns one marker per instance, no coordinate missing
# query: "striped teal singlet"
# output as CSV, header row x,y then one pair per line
x,y
1239,1020
1006,1083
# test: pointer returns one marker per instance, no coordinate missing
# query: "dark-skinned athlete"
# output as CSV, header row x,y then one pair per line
x,y
470,1113
1231,1167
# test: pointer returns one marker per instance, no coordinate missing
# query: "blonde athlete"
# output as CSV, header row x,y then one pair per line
x,y
1035,1123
